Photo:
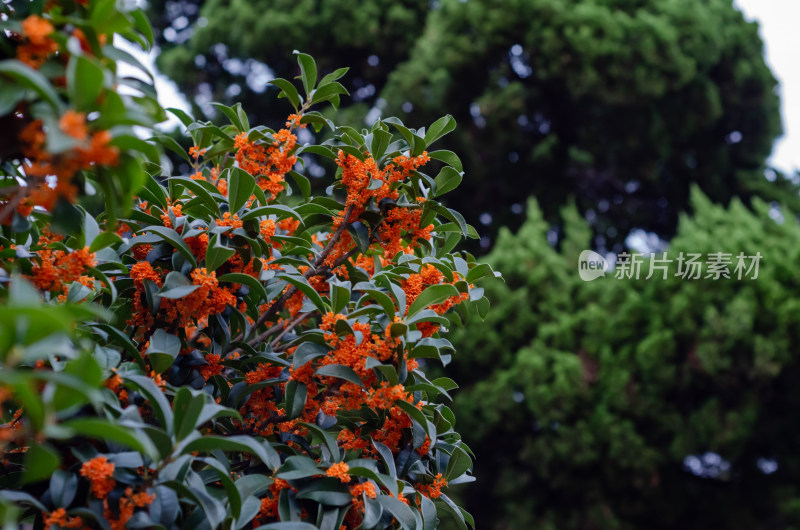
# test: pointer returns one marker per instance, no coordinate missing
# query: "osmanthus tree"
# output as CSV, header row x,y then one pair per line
x,y
219,349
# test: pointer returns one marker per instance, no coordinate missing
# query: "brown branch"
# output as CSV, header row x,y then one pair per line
x,y
298,320
312,271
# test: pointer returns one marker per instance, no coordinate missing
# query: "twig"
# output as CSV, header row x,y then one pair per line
x,y
312,271
299,319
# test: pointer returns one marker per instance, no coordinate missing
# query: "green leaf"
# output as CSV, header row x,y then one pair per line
x,y
360,234
163,350
328,491
103,240
155,396
308,71
172,145
380,141
340,371
31,79
401,512
234,117
176,285
40,462
173,238
187,407
279,210
327,438
240,188
182,115
334,76
84,82
384,300
435,294
307,351
459,463
287,525
288,91
105,430
340,295
240,443
196,187
449,158
256,286
448,179
296,393
302,183
216,254
301,283
298,466
439,128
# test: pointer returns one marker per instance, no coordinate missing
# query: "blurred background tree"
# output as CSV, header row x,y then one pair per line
x,y
623,404
622,104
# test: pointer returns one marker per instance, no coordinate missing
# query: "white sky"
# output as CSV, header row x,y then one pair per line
x,y
778,20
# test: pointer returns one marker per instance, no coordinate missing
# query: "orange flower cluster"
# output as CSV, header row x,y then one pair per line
x,y
260,410
58,268
339,470
354,517
196,152
39,46
416,283
212,368
231,221
193,308
368,488
268,164
91,150
433,490
269,505
100,472
366,182
359,176
127,504
59,519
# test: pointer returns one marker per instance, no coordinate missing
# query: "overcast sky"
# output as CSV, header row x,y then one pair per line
x,y
779,30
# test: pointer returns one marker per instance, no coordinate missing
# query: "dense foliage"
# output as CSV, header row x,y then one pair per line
x,y
622,104
637,404
221,348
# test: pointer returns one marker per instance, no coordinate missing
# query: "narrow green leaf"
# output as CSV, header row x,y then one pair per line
x,y
308,71
434,294
240,188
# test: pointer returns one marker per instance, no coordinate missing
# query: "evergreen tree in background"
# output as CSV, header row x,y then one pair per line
x,y
623,404
622,104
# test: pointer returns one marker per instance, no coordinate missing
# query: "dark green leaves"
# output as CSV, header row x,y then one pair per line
x,y
176,285
31,79
439,128
240,188
288,91
84,81
162,350
245,444
448,179
308,71
40,462
295,398
435,294
217,253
